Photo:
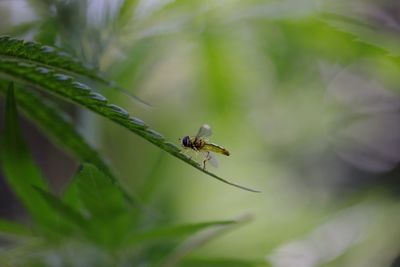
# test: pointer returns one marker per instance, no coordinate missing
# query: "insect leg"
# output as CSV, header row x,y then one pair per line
x,y
206,159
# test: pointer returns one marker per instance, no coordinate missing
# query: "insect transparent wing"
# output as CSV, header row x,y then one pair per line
x,y
212,159
204,131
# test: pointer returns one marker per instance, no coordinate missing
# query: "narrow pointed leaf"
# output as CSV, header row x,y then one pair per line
x,y
54,58
65,211
48,56
10,227
173,232
365,33
20,171
202,238
126,12
104,204
59,127
93,186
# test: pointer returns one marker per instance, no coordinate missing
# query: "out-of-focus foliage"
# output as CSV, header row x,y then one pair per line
x,y
303,93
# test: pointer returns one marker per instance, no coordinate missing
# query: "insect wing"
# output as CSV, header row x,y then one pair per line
x,y
212,159
204,131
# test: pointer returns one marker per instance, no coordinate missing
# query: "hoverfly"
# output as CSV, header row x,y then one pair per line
x,y
200,143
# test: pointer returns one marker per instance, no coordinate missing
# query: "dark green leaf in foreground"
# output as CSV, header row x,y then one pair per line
x,y
53,58
98,195
65,211
77,92
20,171
10,227
104,204
58,126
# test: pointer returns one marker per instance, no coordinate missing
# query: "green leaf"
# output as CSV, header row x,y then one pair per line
x,y
104,228
196,235
20,171
194,242
48,31
10,227
65,86
104,203
126,12
365,32
58,126
65,211
54,58
110,216
173,232
93,187
47,56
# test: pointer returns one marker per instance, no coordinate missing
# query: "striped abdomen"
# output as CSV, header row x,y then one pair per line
x,y
215,148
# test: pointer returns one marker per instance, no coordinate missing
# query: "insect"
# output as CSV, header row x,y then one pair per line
x,y
200,143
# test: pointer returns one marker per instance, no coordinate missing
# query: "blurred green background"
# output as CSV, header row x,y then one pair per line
x,y
304,94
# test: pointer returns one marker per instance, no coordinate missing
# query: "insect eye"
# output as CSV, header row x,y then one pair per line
x,y
186,141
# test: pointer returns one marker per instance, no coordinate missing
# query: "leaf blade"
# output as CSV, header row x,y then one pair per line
x,y
19,169
58,126
54,58
178,231
104,204
47,56
10,227
64,210
93,186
